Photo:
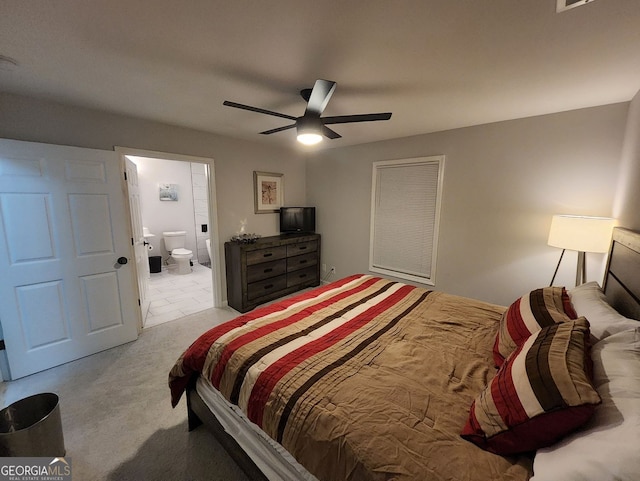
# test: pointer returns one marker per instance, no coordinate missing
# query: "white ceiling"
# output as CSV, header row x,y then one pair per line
x,y
436,64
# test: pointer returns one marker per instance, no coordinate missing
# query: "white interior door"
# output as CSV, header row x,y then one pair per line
x,y
66,289
139,242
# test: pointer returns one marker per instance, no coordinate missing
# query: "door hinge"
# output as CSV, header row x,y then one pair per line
x,y
139,303
125,175
2,346
132,242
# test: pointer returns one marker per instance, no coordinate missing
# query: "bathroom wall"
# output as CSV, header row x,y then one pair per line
x,y
200,184
161,215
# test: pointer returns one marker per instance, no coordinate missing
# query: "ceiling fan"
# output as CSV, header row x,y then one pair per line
x,y
311,127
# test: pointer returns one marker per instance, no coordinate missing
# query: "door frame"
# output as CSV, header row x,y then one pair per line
x,y
216,274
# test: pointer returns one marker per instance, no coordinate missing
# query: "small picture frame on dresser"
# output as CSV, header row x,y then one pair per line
x,y
268,192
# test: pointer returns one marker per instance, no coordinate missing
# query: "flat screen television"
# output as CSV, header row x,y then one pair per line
x,y
297,219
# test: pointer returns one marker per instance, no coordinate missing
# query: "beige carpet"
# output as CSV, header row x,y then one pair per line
x,y
116,414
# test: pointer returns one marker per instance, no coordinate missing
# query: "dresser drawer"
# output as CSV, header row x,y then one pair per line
x,y
300,262
265,270
301,276
301,248
266,255
266,287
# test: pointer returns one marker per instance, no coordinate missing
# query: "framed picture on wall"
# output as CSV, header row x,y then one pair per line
x,y
268,192
168,192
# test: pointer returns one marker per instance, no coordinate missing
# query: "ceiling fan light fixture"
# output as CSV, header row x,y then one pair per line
x,y
312,127
309,130
309,138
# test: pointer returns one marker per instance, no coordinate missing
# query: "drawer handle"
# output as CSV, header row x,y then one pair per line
x,y
303,262
268,270
268,286
302,276
269,254
302,248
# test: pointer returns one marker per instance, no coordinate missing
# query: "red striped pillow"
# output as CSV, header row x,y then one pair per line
x,y
527,315
541,393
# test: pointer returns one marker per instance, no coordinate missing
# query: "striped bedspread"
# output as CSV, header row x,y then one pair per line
x,y
363,379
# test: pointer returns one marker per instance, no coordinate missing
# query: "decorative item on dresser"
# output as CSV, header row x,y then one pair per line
x,y
270,267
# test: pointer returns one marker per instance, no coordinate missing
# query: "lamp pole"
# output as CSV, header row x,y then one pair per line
x,y
581,271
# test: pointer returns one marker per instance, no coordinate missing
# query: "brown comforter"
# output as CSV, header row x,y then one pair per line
x,y
362,379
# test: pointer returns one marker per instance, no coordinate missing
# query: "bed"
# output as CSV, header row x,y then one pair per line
x,y
370,379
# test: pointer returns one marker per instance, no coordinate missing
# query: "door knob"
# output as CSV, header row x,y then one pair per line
x,y
122,260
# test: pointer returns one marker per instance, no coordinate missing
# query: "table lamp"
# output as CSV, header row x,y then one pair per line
x,y
581,234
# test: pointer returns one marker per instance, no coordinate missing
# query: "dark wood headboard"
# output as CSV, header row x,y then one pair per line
x,y
622,278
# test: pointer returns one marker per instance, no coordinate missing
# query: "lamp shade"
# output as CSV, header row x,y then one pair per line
x,y
580,233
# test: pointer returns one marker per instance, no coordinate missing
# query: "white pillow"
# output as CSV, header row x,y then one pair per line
x,y
589,301
606,448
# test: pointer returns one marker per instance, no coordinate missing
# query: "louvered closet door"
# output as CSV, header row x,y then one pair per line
x,y
63,227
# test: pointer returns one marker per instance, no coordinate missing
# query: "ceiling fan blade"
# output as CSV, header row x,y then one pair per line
x,y
345,119
279,129
256,109
327,132
320,95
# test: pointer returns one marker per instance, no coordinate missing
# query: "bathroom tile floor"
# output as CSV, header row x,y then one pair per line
x,y
173,296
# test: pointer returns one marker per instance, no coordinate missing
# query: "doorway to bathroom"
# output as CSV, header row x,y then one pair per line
x,y
176,195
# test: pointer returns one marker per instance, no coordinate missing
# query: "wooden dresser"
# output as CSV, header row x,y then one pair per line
x,y
271,267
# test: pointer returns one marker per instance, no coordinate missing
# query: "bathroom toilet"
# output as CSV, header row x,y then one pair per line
x,y
174,243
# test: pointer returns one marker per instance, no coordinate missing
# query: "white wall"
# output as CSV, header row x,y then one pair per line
x,y
502,183
200,184
627,205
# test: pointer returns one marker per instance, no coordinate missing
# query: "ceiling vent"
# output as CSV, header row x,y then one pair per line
x,y
563,5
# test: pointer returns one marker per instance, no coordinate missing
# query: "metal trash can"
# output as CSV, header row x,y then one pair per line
x,y
32,427
155,264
